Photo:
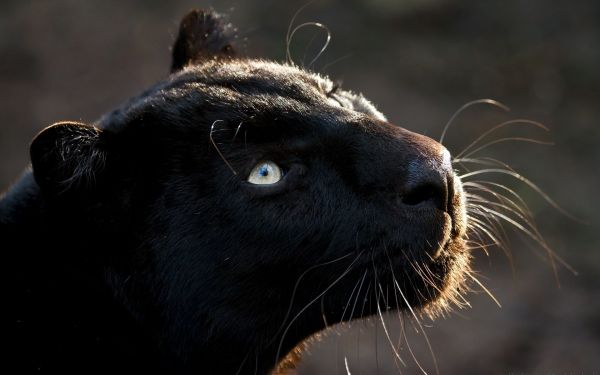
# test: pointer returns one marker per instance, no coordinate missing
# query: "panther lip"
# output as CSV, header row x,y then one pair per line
x,y
440,250
444,243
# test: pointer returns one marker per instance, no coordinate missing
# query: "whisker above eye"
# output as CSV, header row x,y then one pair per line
x,y
237,130
321,51
292,31
212,129
288,35
335,61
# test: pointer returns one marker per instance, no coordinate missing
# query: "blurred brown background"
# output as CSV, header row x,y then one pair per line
x,y
419,61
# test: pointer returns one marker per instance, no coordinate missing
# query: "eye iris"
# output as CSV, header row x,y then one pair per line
x,y
263,171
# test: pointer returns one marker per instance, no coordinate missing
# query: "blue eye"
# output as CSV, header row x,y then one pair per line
x,y
265,173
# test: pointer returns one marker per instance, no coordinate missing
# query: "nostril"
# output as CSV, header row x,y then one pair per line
x,y
427,194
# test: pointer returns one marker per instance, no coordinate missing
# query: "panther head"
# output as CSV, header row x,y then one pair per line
x,y
242,205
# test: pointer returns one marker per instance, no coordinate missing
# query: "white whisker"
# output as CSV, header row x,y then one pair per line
x,y
508,139
466,106
499,126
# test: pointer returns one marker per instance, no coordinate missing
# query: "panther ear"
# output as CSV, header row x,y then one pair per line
x,y
202,35
67,155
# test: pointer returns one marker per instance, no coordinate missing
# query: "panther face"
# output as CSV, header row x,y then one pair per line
x,y
248,204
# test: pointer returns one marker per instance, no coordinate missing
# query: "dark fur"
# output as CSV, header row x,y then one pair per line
x,y
136,244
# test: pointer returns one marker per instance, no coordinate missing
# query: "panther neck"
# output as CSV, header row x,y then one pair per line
x,y
61,313
56,324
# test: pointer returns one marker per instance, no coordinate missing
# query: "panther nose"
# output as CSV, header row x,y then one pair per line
x,y
429,181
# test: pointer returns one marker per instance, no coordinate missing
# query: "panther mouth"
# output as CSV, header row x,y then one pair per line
x,y
448,220
433,277
396,280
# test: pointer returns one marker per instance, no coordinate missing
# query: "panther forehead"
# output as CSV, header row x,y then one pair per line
x,y
245,87
279,79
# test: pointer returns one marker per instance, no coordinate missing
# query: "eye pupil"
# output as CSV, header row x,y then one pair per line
x,y
263,171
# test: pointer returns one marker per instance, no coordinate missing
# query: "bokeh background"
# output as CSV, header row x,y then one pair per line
x,y
419,61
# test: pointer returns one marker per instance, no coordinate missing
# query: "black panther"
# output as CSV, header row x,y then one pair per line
x,y
216,221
